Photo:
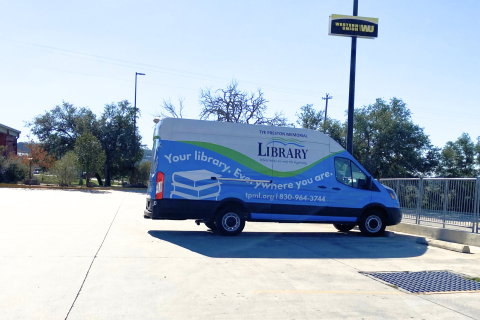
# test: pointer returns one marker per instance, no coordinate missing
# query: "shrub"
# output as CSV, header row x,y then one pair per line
x,y
12,171
66,169
142,172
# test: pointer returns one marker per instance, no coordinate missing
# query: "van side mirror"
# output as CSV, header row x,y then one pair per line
x,y
362,183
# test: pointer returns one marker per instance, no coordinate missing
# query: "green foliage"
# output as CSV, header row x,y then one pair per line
x,y
49,178
309,118
66,169
142,172
386,141
388,144
90,154
458,158
59,128
12,169
120,140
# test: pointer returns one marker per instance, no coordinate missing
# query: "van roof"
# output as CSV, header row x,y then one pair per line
x,y
170,125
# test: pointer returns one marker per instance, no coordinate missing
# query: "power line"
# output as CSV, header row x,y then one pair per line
x,y
164,70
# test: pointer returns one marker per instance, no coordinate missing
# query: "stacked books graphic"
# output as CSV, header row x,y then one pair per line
x,y
195,185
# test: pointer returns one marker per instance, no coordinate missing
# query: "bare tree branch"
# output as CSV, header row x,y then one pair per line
x,y
233,105
169,109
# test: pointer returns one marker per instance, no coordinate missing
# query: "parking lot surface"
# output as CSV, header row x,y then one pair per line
x,y
91,255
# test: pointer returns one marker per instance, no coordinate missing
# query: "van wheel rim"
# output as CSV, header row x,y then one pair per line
x,y
231,221
373,224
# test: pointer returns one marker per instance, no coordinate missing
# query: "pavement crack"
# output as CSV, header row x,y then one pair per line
x,y
440,305
88,271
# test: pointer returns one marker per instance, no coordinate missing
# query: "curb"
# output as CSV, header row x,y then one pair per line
x,y
448,235
444,245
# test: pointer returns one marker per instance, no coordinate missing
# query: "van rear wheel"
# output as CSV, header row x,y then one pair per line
x,y
372,224
343,227
230,222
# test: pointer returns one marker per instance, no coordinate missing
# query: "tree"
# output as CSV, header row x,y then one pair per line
x,y
142,172
90,154
458,158
66,169
120,140
477,149
37,156
59,128
308,118
170,111
388,144
233,105
12,169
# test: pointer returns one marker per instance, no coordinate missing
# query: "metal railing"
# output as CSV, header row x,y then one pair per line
x,y
451,203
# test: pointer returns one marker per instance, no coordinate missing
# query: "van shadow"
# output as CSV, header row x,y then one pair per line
x,y
292,245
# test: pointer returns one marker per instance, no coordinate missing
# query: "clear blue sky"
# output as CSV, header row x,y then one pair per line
x,y
87,52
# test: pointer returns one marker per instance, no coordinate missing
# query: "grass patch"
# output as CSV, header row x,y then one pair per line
x,y
45,178
472,278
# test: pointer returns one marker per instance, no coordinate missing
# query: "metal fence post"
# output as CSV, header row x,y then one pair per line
x,y
476,210
419,200
445,202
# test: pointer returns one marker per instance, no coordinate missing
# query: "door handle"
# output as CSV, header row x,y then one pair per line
x,y
322,187
336,188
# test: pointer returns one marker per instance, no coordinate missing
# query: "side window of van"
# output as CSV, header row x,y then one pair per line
x,y
343,171
349,173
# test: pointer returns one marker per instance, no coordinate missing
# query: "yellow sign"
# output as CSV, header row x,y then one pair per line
x,y
349,26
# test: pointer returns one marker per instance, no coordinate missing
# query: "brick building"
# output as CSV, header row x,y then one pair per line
x,y
8,138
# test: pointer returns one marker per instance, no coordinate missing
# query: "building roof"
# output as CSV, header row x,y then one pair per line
x,y
11,131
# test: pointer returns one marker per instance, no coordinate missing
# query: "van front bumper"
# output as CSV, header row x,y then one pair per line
x,y
394,216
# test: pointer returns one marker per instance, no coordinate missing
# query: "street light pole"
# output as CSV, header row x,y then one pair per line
x,y
135,102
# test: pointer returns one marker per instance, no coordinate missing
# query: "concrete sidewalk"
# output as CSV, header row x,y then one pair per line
x,y
143,269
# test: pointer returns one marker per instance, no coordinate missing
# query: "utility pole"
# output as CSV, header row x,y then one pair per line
x,y
326,106
351,91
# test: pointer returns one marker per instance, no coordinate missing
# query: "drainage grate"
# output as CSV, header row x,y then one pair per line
x,y
427,281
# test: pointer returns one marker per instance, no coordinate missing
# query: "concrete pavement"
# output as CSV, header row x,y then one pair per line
x,y
144,269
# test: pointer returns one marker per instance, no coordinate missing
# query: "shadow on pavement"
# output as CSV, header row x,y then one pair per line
x,y
292,245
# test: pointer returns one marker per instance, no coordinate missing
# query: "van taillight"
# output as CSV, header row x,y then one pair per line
x,y
159,186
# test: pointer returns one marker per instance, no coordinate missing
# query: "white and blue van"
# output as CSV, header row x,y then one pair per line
x,y
224,174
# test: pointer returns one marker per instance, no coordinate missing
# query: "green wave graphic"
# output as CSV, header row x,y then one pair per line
x,y
285,140
250,163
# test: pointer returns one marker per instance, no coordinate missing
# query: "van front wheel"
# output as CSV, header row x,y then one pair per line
x,y
372,224
230,222
210,225
343,227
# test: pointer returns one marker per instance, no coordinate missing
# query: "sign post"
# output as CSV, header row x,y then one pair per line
x,y
352,26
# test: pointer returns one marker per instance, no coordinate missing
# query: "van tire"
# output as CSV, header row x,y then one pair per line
x,y
230,221
343,227
372,224
210,225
